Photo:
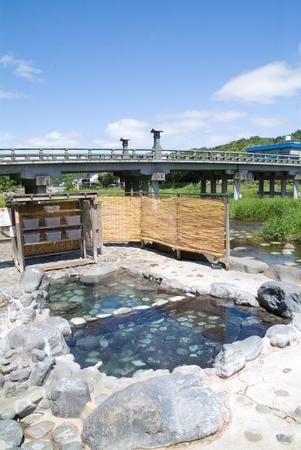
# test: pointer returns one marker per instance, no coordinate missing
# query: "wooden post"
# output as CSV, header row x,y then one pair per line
x,y
19,237
99,227
93,207
227,229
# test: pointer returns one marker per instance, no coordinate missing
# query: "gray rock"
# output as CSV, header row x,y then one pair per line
x,y
74,445
2,380
229,361
39,430
7,413
246,264
284,273
12,389
69,397
20,374
249,347
64,433
47,335
38,444
41,370
280,298
160,411
11,433
232,292
97,273
282,335
172,286
38,355
31,279
297,321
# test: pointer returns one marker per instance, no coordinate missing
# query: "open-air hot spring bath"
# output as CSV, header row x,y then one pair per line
x,y
162,331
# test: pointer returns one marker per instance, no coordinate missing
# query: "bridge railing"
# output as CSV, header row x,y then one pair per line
x,y
24,155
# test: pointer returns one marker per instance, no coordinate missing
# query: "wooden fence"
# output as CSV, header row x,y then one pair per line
x,y
192,224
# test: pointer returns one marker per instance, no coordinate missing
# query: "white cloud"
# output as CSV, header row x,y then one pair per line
x,y
267,122
264,84
53,139
10,95
229,116
135,130
22,68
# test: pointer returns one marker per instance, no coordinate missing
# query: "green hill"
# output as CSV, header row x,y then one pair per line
x,y
241,144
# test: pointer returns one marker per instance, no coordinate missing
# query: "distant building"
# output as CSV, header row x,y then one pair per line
x,y
286,148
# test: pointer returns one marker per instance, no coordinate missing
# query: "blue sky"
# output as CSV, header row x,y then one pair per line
x,y
85,72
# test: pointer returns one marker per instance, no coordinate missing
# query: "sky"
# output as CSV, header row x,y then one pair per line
x,y
83,73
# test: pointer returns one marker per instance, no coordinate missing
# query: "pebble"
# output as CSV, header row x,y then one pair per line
x,y
103,316
121,311
177,298
284,438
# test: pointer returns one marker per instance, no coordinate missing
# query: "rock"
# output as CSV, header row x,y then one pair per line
x,y
284,273
11,433
171,286
289,246
232,292
245,264
97,273
20,374
159,411
177,298
38,444
24,407
12,389
47,335
297,321
122,311
282,335
73,446
64,433
249,347
41,370
280,298
7,413
2,380
159,302
38,355
39,430
78,322
69,397
229,361
31,279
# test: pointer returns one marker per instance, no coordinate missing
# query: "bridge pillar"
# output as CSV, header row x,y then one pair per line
x,y
38,185
261,186
224,185
272,185
157,149
155,187
203,185
296,186
236,188
131,185
283,187
145,185
213,184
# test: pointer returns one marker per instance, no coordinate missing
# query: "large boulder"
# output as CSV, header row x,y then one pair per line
x,y
97,273
245,264
41,370
284,273
47,335
232,292
283,335
31,279
280,298
69,397
159,411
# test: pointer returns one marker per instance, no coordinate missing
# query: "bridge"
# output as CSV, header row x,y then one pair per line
x,y
140,167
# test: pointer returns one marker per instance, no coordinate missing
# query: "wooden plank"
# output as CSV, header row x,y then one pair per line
x,y
65,264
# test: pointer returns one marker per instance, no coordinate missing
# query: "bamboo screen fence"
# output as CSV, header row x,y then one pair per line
x,y
192,224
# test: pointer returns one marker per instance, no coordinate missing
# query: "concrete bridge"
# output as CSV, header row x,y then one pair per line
x,y
140,167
